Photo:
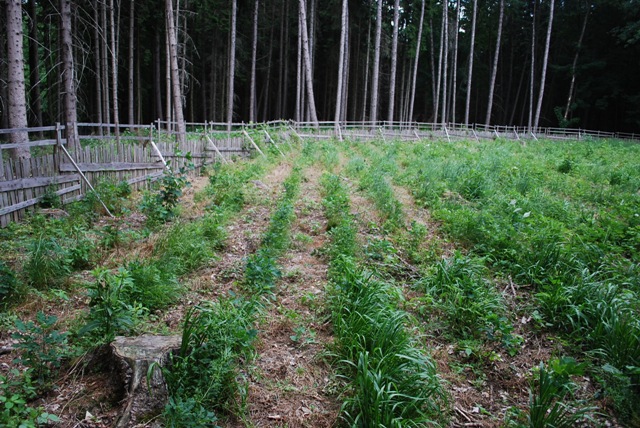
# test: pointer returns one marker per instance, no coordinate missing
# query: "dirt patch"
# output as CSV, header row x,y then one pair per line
x,y
290,383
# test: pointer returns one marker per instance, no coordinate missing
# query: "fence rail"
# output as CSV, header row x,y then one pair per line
x,y
137,153
132,153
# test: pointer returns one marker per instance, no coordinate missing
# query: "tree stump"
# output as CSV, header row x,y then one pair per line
x,y
144,401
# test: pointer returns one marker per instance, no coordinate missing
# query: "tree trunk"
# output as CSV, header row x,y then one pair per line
x,y
445,61
394,60
533,69
494,68
131,60
15,79
98,65
307,64
232,64
345,70
157,77
254,52
104,52
575,64
435,89
266,104
114,69
439,78
68,75
470,74
366,75
454,77
343,38
298,113
376,66
415,65
545,59
34,64
175,78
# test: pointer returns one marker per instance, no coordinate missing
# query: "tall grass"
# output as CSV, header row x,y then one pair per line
x,y
561,217
390,381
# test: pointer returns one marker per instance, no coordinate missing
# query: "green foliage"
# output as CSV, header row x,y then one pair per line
x,y
41,346
468,302
391,382
113,194
50,199
48,264
549,388
110,312
187,413
202,375
8,282
261,273
153,285
566,166
186,247
160,207
16,391
82,251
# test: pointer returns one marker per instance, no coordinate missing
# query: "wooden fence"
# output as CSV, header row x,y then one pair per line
x,y
137,153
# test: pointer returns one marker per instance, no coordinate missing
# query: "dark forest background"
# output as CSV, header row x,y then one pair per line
x,y
120,61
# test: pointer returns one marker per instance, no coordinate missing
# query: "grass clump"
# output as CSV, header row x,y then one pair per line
x,y
550,387
202,377
48,264
390,382
469,304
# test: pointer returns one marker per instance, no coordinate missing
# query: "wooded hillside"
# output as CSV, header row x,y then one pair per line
x,y
570,63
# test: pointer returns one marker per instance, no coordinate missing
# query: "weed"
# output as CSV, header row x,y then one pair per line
x,y
185,248
303,336
110,312
16,391
48,264
548,389
203,373
8,282
153,285
50,199
470,305
41,346
113,194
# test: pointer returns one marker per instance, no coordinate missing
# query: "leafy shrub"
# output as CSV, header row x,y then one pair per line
x,y
113,194
261,273
82,251
42,347
565,166
16,391
161,206
110,312
8,282
50,199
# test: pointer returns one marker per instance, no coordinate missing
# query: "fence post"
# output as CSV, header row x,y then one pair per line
x,y
85,179
446,132
246,134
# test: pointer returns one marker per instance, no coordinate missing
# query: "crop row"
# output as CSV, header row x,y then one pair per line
x,y
391,382
562,221
123,299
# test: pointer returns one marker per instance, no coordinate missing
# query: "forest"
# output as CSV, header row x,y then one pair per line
x,y
571,63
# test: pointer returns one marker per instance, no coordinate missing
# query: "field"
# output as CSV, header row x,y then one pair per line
x,y
341,284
